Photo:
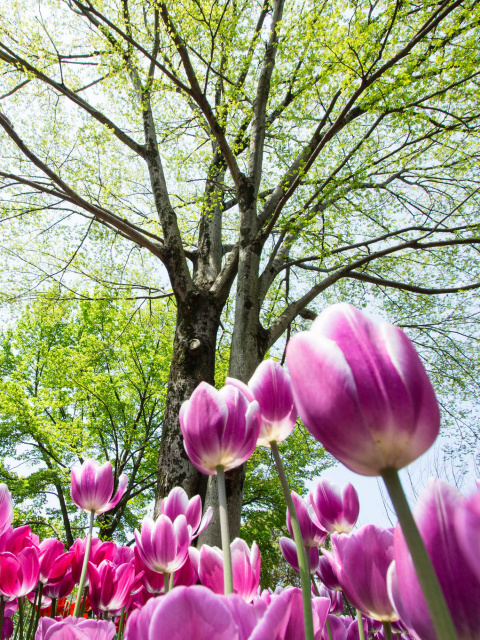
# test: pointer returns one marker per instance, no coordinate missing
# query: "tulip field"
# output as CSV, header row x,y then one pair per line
x,y
361,390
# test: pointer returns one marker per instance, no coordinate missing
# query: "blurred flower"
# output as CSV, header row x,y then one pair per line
x,y
61,588
111,586
177,503
335,510
360,562
6,508
327,575
271,387
163,545
220,428
467,527
92,487
435,515
336,599
74,629
362,391
312,534
289,552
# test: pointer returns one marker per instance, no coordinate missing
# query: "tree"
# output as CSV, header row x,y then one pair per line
x,y
267,155
82,380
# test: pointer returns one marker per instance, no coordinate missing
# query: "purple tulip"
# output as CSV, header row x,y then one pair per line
x,y
435,515
289,552
245,567
362,391
111,587
92,487
467,527
360,562
163,545
61,588
220,428
338,628
336,599
177,503
335,510
312,535
271,387
74,629
6,508
18,573
327,575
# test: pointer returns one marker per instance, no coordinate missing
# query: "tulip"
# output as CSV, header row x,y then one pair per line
x,y
360,562
362,391
98,551
245,566
327,575
92,487
270,386
163,545
335,510
336,599
220,428
111,587
289,552
312,534
338,629
467,527
436,513
74,629
6,508
54,561
18,573
177,503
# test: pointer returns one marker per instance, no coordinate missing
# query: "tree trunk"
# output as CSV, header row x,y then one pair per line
x,y
193,360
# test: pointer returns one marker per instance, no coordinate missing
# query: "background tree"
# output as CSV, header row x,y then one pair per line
x,y
282,153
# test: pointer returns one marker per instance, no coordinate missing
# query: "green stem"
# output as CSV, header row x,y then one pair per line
x,y
171,581
297,535
53,608
33,613
329,631
120,625
427,577
166,579
84,602
227,557
361,628
37,612
20,617
84,568
387,627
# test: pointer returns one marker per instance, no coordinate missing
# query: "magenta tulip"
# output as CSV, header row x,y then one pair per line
x,y
435,515
289,552
18,573
245,567
163,545
220,428
99,551
54,560
92,487
61,588
335,597
270,386
312,534
6,508
74,629
327,575
467,527
111,587
360,562
362,391
335,510
177,503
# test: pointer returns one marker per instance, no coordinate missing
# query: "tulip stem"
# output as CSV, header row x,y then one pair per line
x,y
84,567
21,612
361,628
297,535
329,631
227,557
33,613
166,586
171,580
53,608
2,611
427,577
387,628
120,625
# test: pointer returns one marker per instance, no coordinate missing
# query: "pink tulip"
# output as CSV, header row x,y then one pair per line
x,y
6,508
61,588
163,545
18,573
467,527
312,534
362,391
54,561
74,629
289,552
245,567
92,487
98,551
111,587
14,540
327,575
270,386
177,503
335,510
220,428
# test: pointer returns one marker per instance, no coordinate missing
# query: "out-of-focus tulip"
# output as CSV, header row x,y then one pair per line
x,y
289,552
123,555
362,391
220,428
111,587
467,527
14,540
435,517
338,629
360,562
336,599
54,560
74,629
163,545
245,567
18,573
6,508
99,551
312,535
335,510
153,581
60,589
271,387
327,575
92,487
177,503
